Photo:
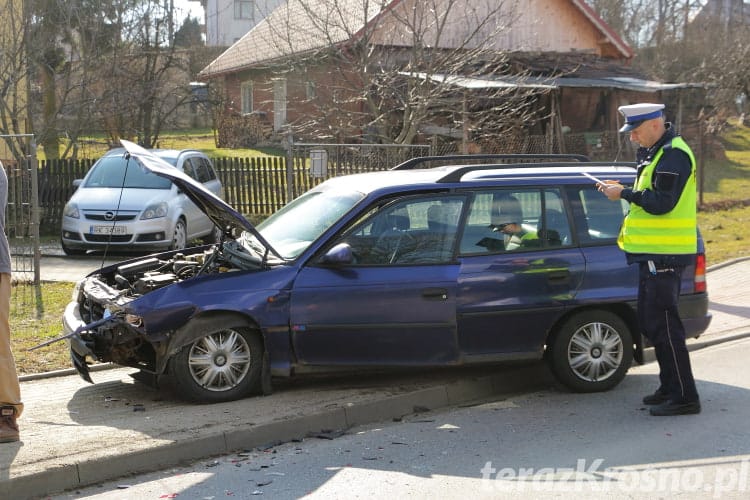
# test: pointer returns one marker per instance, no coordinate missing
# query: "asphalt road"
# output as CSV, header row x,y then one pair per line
x,y
541,444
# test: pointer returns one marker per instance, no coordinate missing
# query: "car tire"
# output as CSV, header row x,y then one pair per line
x,y
214,236
223,365
71,251
179,236
591,351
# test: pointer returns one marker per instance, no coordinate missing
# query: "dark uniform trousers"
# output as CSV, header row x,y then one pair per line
x,y
658,295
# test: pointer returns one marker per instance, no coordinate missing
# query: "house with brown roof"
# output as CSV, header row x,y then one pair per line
x,y
322,68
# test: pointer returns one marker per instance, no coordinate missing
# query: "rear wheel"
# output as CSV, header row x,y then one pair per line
x,y
592,351
223,365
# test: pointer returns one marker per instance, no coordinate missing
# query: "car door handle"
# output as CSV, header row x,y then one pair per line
x,y
435,293
558,277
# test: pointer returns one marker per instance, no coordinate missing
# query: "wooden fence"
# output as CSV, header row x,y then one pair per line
x,y
256,186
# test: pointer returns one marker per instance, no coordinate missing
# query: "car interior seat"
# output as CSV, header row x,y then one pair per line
x,y
442,223
437,218
556,231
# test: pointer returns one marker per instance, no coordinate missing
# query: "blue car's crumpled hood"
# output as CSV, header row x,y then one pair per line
x,y
221,213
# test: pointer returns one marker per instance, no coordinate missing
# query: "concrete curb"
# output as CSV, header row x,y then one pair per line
x,y
511,380
726,263
64,372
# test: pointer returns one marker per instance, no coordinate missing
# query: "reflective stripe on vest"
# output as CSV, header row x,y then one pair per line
x,y
671,233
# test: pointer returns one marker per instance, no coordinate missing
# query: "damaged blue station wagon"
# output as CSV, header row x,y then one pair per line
x,y
452,265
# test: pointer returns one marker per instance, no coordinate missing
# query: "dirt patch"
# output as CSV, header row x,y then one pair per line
x,y
723,205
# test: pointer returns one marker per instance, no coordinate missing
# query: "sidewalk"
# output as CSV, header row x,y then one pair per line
x,y
75,434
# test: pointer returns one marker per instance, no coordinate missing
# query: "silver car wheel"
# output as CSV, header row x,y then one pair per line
x,y
595,352
179,238
220,361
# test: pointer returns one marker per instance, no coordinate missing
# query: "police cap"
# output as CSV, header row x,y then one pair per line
x,y
635,114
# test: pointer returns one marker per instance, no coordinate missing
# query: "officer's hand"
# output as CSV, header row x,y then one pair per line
x,y
611,189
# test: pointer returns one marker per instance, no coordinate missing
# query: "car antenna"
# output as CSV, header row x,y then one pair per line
x,y
127,157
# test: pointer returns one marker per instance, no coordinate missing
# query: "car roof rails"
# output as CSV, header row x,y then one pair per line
x,y
457,175
517,158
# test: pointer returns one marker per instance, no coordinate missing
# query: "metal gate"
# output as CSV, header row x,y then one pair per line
x,y
22,211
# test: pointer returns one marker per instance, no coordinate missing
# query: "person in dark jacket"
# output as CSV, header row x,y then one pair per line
x,y
660,235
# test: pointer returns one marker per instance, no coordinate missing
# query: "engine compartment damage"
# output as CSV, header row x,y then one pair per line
x,y
109,329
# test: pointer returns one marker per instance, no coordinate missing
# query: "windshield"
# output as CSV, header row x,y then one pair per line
x,y
293,228
117,172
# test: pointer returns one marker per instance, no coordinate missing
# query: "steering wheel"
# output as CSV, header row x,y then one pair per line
x,y
394,243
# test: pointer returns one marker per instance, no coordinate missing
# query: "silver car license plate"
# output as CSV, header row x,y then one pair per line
x,y
108,230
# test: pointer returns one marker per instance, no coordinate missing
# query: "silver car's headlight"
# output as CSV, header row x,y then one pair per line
x,y
71,210
155,211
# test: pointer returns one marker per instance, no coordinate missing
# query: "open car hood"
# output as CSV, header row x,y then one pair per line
x,y
220,212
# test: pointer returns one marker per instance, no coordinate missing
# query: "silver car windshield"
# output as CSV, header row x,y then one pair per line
x,y
292,229
117,172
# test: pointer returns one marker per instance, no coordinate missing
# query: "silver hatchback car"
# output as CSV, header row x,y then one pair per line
x,y
120,205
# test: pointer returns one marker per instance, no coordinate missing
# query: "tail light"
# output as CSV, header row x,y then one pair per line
x,y
699,281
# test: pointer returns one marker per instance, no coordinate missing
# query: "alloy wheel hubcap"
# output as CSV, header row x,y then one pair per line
x,y
220,361
595,352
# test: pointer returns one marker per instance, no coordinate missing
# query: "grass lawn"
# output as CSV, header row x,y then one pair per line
x,y
36,313
35,316
202,139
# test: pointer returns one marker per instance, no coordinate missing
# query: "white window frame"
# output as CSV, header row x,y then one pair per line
x,y
244,9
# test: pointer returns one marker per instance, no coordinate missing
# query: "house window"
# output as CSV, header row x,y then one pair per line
x,y
246,90
243,9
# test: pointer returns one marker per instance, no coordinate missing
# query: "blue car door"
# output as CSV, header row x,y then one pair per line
x,y
608,276
395,303
515,282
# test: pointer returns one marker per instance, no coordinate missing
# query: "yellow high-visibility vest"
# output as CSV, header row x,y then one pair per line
x,y
672,233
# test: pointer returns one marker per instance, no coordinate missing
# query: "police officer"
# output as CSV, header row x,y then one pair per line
x,y
660,234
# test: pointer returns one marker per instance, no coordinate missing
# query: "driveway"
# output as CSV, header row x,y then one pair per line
x,y
56,266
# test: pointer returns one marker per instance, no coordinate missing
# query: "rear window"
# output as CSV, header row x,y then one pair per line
x,y
201,169
598,219
505,220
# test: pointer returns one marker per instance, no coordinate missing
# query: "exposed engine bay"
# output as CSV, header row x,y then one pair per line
x,y
113,287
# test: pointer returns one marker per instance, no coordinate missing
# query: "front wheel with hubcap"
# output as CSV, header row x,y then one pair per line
x,y
592,351
223,365
179,237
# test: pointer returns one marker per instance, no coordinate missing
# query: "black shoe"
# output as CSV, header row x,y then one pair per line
x,y
656,398
676,408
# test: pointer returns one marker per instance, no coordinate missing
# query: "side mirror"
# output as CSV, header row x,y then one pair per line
x,y
76,183
339,255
